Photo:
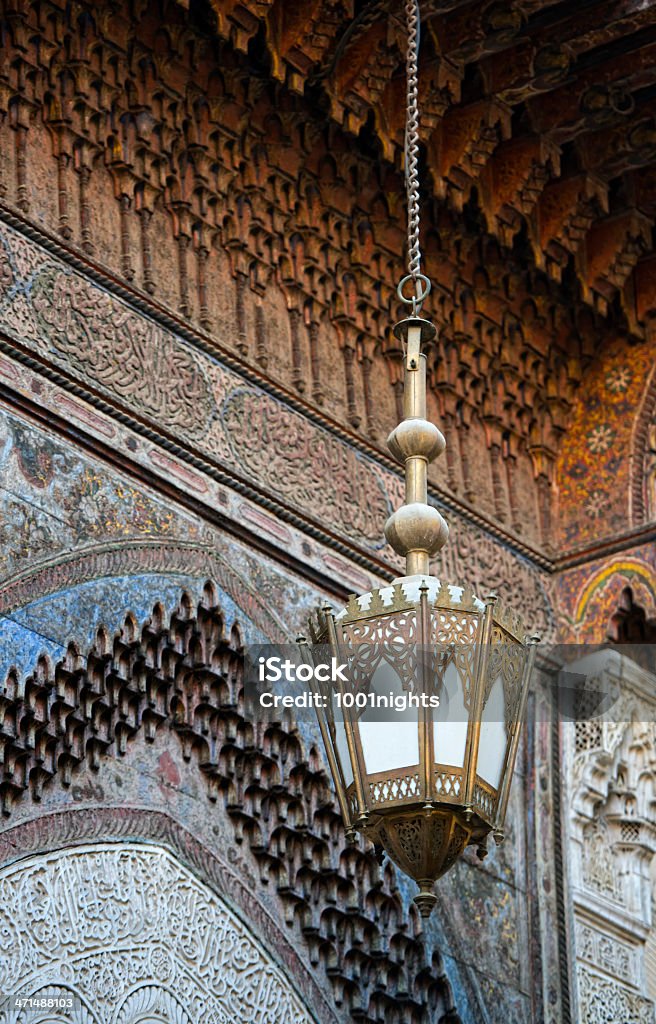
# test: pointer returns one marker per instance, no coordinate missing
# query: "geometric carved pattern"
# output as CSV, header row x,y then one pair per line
x,y
140,928
602,1001
630,831
587,735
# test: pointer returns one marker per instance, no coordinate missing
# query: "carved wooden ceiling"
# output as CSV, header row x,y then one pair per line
x,y
196,175
545,111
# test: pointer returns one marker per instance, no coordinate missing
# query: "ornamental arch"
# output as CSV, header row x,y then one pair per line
x,y
143,939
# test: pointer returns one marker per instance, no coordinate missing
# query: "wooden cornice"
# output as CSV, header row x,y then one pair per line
x,y
528,77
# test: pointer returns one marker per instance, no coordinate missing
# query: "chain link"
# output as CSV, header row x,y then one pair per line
x,y
413,18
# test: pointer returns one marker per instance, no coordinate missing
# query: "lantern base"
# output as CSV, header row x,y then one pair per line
x,y
423,842
426,900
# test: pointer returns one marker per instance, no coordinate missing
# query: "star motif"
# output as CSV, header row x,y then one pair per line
x,y
600,438
618,379
596,504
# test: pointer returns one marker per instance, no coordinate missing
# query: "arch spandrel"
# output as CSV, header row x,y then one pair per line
x,y
589,596
601,461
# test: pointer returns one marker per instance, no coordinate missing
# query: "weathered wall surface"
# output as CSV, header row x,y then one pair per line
x,y
144,739
102,519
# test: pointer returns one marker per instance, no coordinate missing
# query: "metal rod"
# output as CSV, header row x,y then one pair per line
x,y
482,657
331,753
511,750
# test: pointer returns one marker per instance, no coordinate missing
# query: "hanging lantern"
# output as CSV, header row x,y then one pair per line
x,y
422,733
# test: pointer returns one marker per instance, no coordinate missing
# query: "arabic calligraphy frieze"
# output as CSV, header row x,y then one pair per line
x,y
324,474
82,327
141,926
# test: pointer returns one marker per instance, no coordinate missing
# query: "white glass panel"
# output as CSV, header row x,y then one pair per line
x,y
450,721
389,735
492,747
343,751
389,745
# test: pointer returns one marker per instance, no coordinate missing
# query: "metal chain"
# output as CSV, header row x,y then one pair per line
x,y
413,18
412,139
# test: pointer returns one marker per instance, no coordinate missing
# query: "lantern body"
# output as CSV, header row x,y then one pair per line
x,y
422,738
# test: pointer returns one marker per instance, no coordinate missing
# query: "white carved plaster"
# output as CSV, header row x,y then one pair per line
x,y
604,1001
136,938
609,779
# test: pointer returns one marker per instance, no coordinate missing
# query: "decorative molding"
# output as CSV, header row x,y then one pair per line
x,y
134,556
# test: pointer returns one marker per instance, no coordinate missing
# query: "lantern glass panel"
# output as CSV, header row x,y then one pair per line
x,y
389,745
450,720
390,738
494,738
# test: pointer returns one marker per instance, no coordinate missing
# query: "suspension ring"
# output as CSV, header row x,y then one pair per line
x,y
417,299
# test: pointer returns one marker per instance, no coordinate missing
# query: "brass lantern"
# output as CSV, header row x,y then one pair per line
x,y
425,783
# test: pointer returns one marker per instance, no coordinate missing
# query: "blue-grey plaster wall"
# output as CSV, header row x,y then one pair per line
x,y
48,624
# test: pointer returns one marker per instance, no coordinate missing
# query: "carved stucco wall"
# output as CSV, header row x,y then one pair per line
x,y
84,542
609,774
132,935
264,792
